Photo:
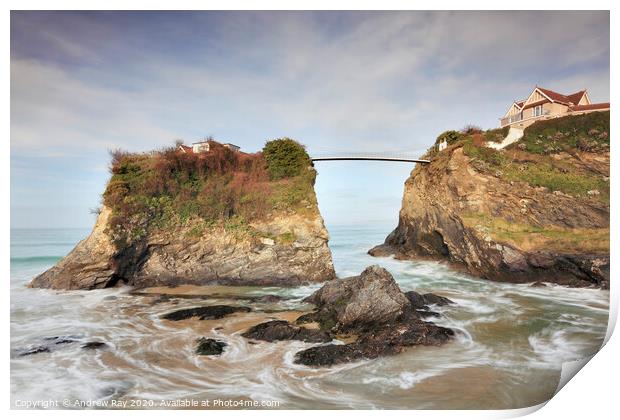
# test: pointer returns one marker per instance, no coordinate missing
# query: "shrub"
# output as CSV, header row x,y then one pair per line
x,y
285,158
450,137
471,129
496,135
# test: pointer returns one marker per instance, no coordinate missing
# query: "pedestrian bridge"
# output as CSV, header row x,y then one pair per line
x,y
383,157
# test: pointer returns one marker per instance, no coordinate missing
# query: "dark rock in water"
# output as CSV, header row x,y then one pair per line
x,y
371,306
92,345
325,317
205,312
538,284
425,314
51,344
382,251
58,340
331,354
433,299
210,347
64,341
283,330
367,300
35,350
421,301
385,342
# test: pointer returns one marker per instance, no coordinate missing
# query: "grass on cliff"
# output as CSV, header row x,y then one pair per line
x,y
586,132
531,159
528,237
216,188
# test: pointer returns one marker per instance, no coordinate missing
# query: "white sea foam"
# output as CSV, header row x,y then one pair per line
x,y
150,358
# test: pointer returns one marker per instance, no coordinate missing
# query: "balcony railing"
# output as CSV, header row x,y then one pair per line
x,y
512,119
519,117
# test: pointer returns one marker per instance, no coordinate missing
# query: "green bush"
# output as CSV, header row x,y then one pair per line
x,y
496,135
450,136
285,158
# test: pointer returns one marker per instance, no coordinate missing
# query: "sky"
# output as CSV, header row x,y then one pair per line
x,y
84,83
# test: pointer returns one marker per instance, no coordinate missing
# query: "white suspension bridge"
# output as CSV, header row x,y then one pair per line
x,y
383,157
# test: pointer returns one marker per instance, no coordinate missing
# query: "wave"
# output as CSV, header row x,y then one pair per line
x,y
43,259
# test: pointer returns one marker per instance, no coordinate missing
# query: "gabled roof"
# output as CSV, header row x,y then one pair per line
x,y
518,104
553,96
186,149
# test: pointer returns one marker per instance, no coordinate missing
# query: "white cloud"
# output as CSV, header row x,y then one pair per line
x,y
85,83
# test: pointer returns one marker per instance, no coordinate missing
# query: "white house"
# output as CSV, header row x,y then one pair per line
x,y
232,147
544,104
200,146
204,146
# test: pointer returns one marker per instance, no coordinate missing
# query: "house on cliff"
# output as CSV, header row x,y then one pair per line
x,y
545,104
204,146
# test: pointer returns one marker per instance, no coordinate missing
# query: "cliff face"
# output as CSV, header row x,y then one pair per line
x,y
283,244
177,257
514,215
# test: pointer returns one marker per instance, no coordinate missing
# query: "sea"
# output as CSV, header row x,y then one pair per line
x,y
510,343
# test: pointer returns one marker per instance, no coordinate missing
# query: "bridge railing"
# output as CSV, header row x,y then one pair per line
x,y
385,156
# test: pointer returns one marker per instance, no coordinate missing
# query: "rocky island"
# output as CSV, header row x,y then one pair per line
x,y
176,216
535,211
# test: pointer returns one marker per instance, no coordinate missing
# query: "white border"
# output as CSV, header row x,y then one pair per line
x,y
592,394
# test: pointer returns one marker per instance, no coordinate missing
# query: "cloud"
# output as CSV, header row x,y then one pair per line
x,y
379,74
82,83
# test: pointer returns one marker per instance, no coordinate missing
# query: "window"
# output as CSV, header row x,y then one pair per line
x,y
537,111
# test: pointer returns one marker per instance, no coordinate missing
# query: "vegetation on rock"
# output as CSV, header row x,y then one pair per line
x,y
203,190
537,158
587,132
285,158
530,237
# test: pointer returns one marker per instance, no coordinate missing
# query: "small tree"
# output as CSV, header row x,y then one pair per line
x,y
285,158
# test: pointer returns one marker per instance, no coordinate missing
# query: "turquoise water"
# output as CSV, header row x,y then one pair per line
x,y
510,344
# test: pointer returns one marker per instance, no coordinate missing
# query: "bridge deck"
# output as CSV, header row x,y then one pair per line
x,y
383,159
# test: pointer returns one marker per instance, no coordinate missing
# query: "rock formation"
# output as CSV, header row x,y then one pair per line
x,y
523,214
246,232
370,309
